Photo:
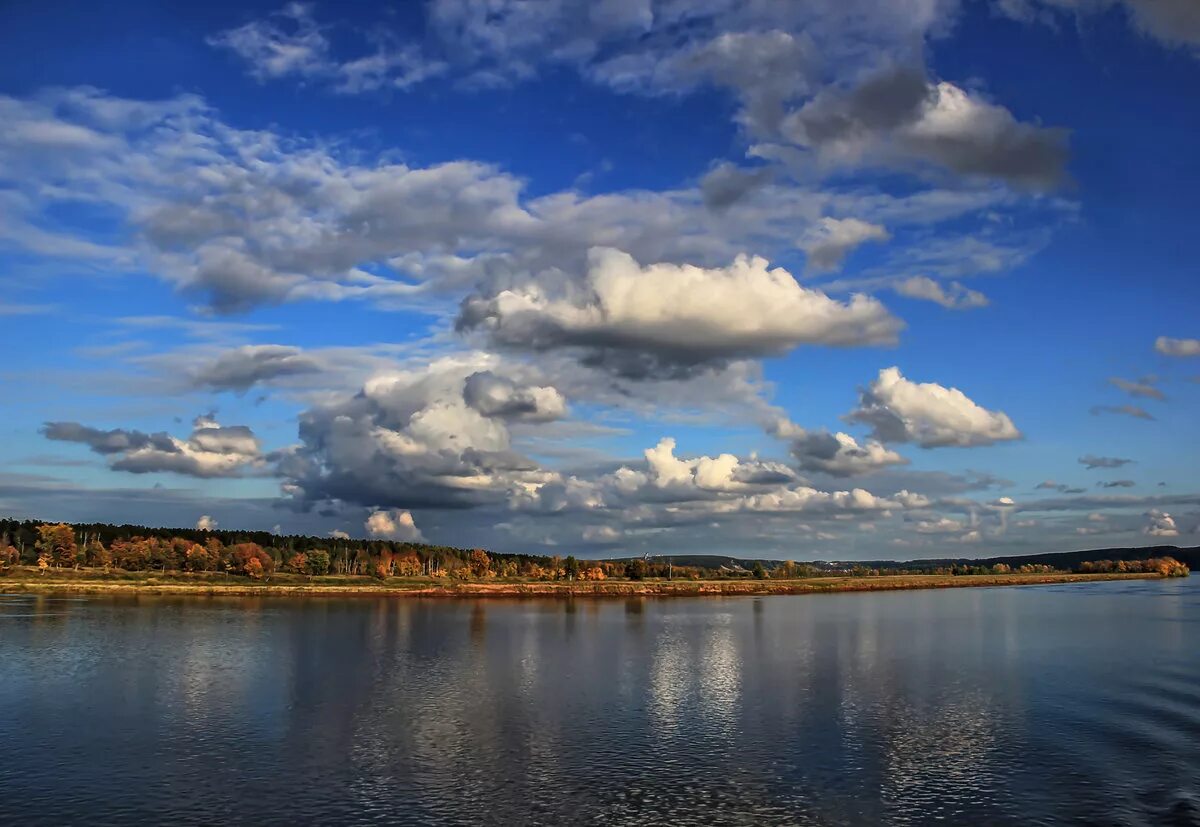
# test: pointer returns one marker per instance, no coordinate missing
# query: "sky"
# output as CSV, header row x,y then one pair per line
x,y
862,279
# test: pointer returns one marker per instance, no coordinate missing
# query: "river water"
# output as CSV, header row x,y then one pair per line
x,y
1016,705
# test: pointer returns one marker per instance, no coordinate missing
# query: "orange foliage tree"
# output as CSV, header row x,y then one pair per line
x,y
56,544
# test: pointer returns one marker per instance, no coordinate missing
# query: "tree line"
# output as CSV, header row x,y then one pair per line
x,y
1164,566
261,555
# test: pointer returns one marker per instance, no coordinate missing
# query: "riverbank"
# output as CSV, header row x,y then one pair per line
x,y
117,583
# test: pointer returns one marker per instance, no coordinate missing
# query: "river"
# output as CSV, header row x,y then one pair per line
x,y
1015,705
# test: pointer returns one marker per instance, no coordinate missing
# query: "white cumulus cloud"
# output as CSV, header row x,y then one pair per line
x,y
928,414
1160,524
680,312
393,525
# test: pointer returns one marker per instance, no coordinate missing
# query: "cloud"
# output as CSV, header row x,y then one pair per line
x,y
206,523
670,490
1142,388
115,441
726,184
1173,22
802,498
839,454
237,218
840,80
498,396
766,55
897,113
1117,484
972,136
288,43
764,70
393,525
211,450
953,296
1110,501
718,474
928,414
1051,485
1091,461
1122,410
243,367
664,480
941,525
291,43
831,239
410,438
1159,524
1177,347
242,218
679,314
601,534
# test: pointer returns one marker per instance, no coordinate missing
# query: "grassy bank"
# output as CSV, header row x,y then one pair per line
x,y
28,580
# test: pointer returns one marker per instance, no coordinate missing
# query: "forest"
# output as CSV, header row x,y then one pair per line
x,y
261,555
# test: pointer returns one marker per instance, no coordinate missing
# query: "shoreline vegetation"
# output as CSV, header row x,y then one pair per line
x,y
28,580
105,559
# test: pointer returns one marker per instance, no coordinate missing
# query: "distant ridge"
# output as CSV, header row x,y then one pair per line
x,y
1059,559
1190,556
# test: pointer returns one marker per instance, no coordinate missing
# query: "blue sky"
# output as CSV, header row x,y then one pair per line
x,y
505,274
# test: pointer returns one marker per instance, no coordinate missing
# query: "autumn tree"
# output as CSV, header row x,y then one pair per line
x,y
317,561
386,563
56,544
197,558
507,568
254,568
407,564
218,557
165,554
250,559
132,554
96,555
479,563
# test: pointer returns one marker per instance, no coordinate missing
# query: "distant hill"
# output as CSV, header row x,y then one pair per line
x,y
1058,559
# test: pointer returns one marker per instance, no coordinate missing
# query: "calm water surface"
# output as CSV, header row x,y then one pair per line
x,y
1036,705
